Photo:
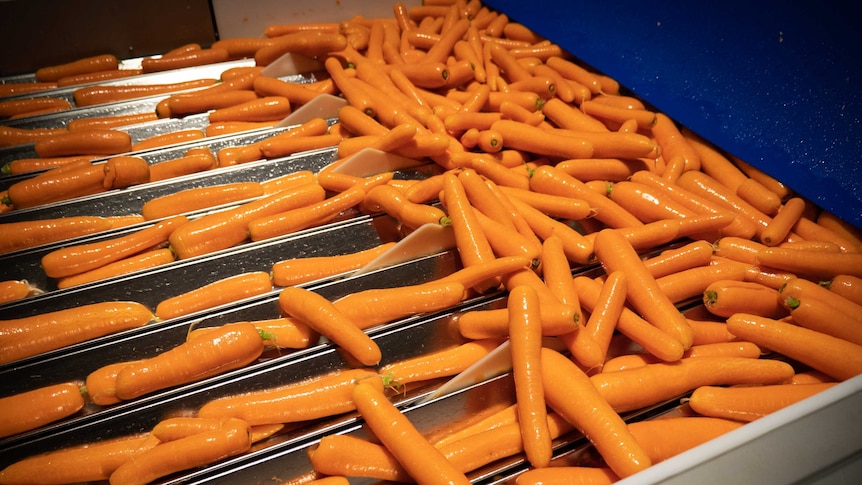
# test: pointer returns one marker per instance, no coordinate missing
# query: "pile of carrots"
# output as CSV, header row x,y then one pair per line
x,y
541,167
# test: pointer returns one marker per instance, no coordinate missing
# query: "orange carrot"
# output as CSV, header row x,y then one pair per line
x,y
581,475
388,199
313,398
664,438
778,229
33,335
814,264
296,271
375,306
198,57
92,142
124,171
85,257
309,43
441,363
98,76
165,139
726,297
820,315
231,347
107,122
714,349
62,183
27,234
101,384
11,136
139,262
179,105
198,198
809,347
850,287
340,454
691,255
220,292
521,136
13,290
607,310
268,108
30,410
750,402
101,94
692,282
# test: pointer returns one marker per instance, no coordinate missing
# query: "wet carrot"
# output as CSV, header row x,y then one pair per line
x,y
309,43
179,60
194,161
521,136
84,65
339,454
268,108
180,105
664,438
217,293
284,182
606,311
422,461
85,463
692,282
97,76
232,438
726,297
691,255
616,254
100,385
325,318
313,398
819,315
85,257
708,332
646,203
14,89
14,290
11,136
708,188
229,127
27,234
850,287
91,142
18,108
124,171
198,198
714,349
809,347
33,409
231,347
815,264
570,393
441,363
29,336
810,377
388,199
27,165
749,403
101,94
139,262
780,225
381,305
171,138
581,475
227,228
107,122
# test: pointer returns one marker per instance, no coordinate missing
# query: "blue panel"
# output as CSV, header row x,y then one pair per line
x,y
774,83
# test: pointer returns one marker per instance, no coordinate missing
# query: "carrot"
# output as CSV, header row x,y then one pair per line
x,y
26,87
714,349
809,347
14,290
268,108
577,248
663,381
381,305
606,311
673,142
841,228
92,142
33,409
645,119
276,30
280,146
179,60
470,276
92,462
199,102
33,335
819,315
282,333
27,165
560,475
664,438
194,160
123,171
139,262
325,318
780,226
217,293
521,136
107,122
100,385
241,47
198,198
98,76
165,139
93,95
233,438
227,228
62,183
309,43
750,402
669,261
850,287
810,377
325,395
338,454
816,264
506,240
388,199
441,363
646,203
616,254
85,257
11,136
79,66
421,460
27,234
708,332
708,188
806,228
726,297
570,393
288,181
304,217
763,178
231,347
693,282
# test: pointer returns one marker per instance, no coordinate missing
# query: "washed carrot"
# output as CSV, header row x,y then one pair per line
x,y
123,171
816,264
840,227
809,347
664,438
324,317
231,347
807,229
810,377
560,475
388,199
472,275
220,292
850,287
85,257
488,166
15,108
26,87
381,305
198,198
171,138
138,262
714,349
570,393
606,311
33,335
609,169
27,234
27,165
673,142
30,410
91,142
708,188
646,202
692,282
276,30
441,363
826,246
693,254
100,385
726,297
62,183
325,395
304,217
241,47
268,108
577,248
819,315
11,136
92,462
506,240
200,102
101,94
708,332
194,160
663,381
233,438
777,229
280,145
229,127
616,254
348,455
525,337
491,417
107,122
309,43
422,461
97,76
179,60
521,136
227,228
282,333
79,66
13,290
750,402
